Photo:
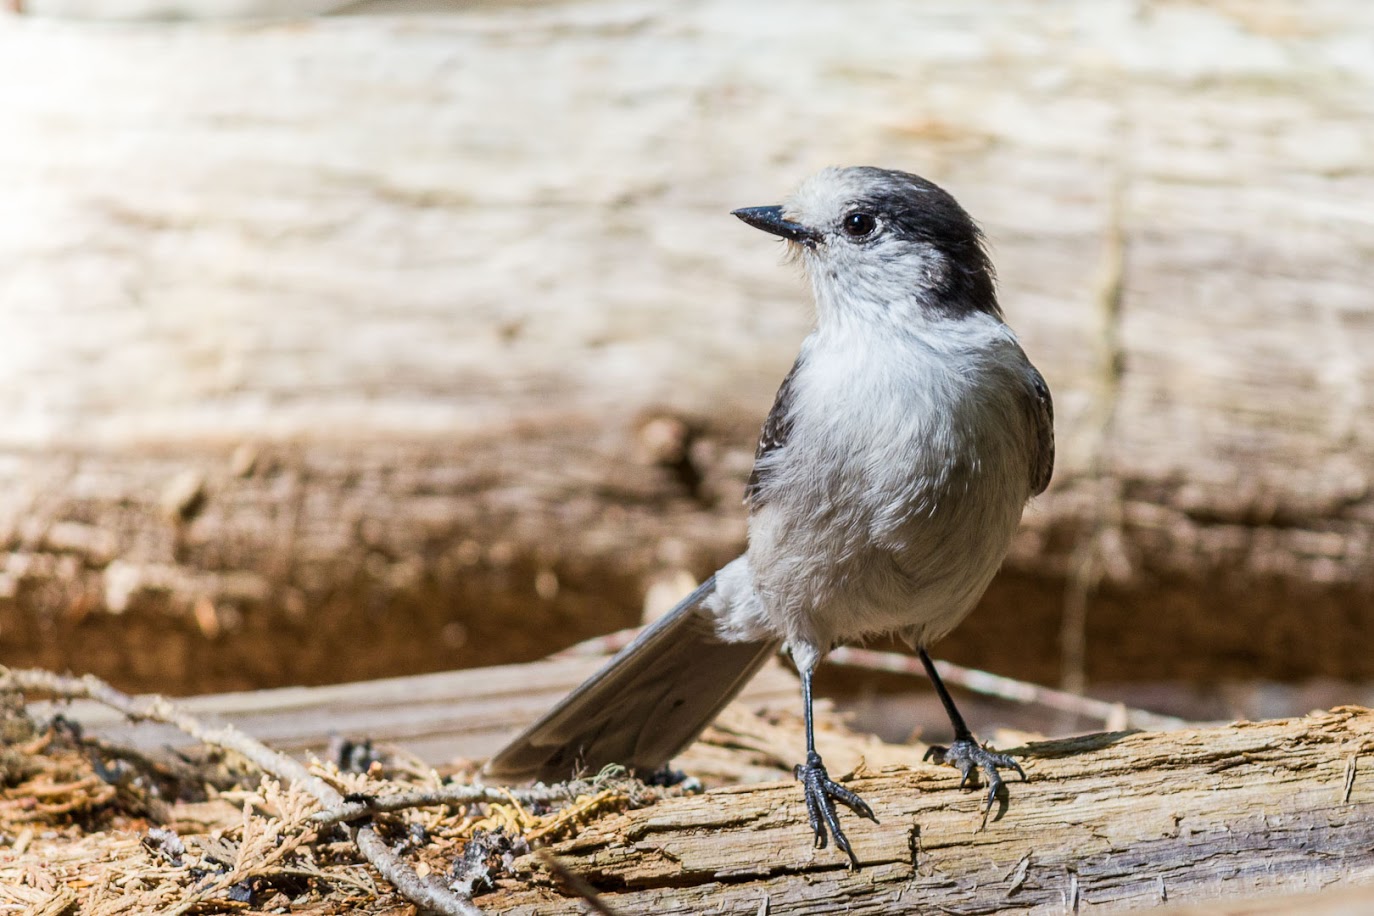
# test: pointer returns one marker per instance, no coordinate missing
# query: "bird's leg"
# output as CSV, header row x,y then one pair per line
x,y
965,752
822,792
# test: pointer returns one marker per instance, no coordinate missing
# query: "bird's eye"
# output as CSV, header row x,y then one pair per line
x,y
858,224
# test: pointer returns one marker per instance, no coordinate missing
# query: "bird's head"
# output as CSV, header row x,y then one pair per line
x,y
883,246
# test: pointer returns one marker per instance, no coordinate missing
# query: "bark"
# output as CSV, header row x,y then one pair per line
x,y
419,326
1113,821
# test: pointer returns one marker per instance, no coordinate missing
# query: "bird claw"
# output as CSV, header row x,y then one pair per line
x,y
821,795
968,756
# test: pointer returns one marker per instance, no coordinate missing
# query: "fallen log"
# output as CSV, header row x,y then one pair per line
x,y
1112,821
466,336
437,718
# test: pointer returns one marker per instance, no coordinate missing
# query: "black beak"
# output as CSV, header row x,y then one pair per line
x,y
769,219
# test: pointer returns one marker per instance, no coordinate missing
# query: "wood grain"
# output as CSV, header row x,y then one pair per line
x,y
1109,821
375,325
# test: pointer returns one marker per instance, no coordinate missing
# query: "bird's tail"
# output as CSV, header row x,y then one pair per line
x,y
645,706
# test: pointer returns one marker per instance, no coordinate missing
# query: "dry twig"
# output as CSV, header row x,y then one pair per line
x,y
575,882
354,808
1113,715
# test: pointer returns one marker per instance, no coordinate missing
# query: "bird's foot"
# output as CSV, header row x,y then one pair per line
x,y
968,756
821,795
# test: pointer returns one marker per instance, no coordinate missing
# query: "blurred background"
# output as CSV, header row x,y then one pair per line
x,y
407,336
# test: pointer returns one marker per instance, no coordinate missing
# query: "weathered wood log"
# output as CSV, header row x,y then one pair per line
x,y
437,717
1110,821
425,329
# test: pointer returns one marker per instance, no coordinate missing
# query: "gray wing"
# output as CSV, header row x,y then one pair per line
x,y
1042,421
773,437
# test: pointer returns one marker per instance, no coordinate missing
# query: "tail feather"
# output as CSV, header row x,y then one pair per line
x,y
645,706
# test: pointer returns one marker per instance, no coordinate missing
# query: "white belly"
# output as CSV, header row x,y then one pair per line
x,y
892,504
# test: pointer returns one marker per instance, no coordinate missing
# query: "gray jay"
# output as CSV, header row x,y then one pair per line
x,y
888,482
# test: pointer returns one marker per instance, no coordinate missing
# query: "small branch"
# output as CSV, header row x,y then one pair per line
x,y
1008,689
353,809
1099,549
598,646
1113,715
575,882
428,894
158,709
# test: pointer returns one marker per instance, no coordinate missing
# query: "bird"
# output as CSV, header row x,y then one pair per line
x,y
888,481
